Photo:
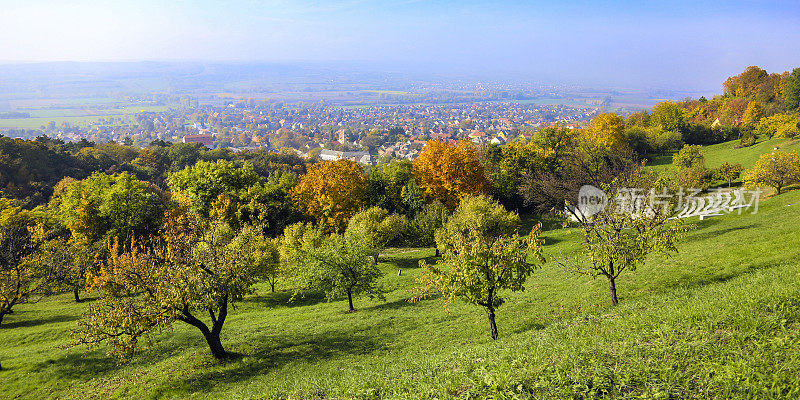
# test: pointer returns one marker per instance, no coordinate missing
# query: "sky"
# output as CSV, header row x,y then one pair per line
x,y
691,45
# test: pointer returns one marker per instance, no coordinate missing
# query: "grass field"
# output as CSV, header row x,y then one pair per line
x,y
720,319
716,154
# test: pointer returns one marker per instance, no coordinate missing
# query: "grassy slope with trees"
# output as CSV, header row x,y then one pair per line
x,y
188,240
720,328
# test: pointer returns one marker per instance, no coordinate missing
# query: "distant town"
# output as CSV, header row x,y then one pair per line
x,y
363,133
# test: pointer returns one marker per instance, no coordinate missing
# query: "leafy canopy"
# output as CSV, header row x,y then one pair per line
x,y
777,170
332,192
482,255
448,172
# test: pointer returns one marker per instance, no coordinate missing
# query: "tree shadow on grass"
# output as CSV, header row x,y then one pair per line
x,y
528,326
275,353
411,262
694,282
717,232
27,323
390,305
288,298
549,240
78,365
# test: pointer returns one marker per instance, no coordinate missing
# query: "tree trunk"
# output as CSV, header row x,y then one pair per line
x,y
437,252
272,286
613,288
211,335
215,345
2,314
492,324
375,258
75,291
350,300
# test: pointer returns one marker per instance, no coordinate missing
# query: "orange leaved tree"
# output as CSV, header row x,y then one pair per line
x,y
332,192
448,172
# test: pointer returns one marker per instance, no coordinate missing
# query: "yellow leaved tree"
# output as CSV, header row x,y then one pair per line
x,y
607,133
332,192
777,170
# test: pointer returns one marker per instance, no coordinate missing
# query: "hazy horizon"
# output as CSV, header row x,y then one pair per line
x,y
677,45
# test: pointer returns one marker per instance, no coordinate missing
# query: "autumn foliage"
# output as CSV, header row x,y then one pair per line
x,y
448,172
332,192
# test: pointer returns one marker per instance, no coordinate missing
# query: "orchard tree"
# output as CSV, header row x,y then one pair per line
x,y
184,273
22,276
377,226
263,255
338,264
70,260
621,236
422,228
332,192
448,172
776,169
728,172
482,255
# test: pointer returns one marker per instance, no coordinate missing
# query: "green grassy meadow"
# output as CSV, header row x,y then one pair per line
x,y
716,154
720,319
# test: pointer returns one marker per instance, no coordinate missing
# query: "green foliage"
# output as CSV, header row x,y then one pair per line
x,y
653,140
689,156
624,233
103,207
29,169
186,273
422,228
791,92
378,227
22,275
205,182
748,138
338,264
262,254
514,162
481,255
269,203
728,172
386,184
668,116
412,197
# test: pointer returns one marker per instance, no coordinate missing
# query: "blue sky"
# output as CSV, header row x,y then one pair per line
x,y
679,44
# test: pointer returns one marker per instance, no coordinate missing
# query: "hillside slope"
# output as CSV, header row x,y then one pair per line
x,y
718,320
